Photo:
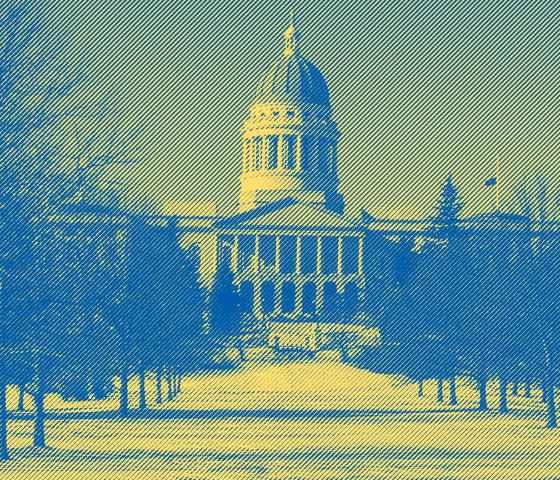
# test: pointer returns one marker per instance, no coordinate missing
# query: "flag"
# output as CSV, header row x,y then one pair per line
x,y
491,182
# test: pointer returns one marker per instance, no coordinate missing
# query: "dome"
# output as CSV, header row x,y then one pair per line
x,y
293,79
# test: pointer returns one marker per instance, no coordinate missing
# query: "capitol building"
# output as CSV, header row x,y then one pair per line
x,y
295,255
307,273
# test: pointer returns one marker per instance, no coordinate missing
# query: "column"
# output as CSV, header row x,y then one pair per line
x,y
265,153
258,153
298,254
298,153
277,244
319,254
280,157
235,254
314,161
256,268
253,156
339,256
360,255
246,154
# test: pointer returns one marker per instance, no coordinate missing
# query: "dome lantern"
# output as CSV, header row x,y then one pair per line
x,y
290,38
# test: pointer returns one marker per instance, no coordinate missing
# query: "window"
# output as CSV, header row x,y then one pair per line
x,y
308,254
350,252
267,297
290,160
324,160
305,153
351,300
330,298
246,297
332,159
272,152
267,251
287,254
329,255
309,295
258,153
288,297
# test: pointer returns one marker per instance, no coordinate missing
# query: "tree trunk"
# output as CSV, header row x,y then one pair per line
x,y
503,395
179,383
420,388
142,387
39,424
482,391
528,392
440,390
123,394
159,381
453,390
543,391
4,454
89,383
21,397
169,384
548,389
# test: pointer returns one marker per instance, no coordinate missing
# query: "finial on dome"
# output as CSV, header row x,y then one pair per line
x,y
290,37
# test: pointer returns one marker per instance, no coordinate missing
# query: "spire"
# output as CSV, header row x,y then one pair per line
x,y
290,37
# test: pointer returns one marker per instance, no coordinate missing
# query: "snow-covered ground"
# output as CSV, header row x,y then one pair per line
x,y
295,421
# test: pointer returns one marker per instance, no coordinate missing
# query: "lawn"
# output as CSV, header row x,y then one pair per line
x,y
295,421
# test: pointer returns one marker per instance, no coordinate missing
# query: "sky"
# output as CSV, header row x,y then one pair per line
x,y
420,89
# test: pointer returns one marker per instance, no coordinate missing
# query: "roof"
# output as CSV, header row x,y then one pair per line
x,y
289,214
293,79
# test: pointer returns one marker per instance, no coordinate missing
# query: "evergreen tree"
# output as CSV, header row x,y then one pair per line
x,y
225,310
448,209
181,310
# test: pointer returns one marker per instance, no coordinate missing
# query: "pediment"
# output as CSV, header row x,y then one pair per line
x,y
292,215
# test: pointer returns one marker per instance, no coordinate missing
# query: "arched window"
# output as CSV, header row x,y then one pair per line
x,y
288,297
351,300
246,294
309,295
267,297
330,297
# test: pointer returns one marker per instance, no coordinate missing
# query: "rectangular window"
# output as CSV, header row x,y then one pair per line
x,y
291,152
258,153
324,155
308,254
267,251
329,255
350,252
287,254
272,152
305,153
246,251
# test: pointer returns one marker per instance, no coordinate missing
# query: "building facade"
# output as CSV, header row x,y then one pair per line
x,y
296,257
